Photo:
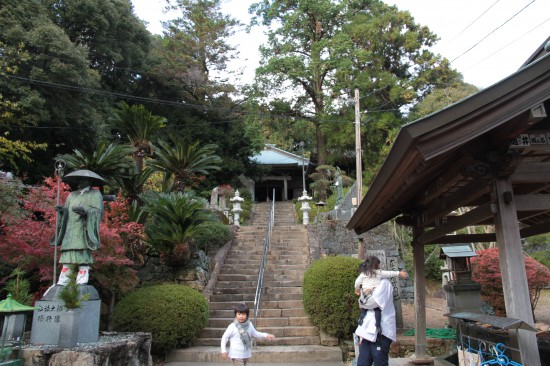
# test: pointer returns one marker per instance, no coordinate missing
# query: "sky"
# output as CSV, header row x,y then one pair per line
x,y
485,40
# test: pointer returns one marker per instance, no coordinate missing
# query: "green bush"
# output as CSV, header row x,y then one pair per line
x,y
543,257
173,314
211,236
329,296
246,205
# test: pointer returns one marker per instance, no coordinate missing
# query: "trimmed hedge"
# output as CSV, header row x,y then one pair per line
x,y
211,235
329,297
173,314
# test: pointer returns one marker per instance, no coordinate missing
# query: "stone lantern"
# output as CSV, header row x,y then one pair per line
x,y
11,340
305,207
463,294
236,200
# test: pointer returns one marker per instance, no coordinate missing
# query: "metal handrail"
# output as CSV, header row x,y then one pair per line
x,y
267,241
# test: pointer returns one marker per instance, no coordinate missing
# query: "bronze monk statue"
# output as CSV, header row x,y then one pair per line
x,y
78,224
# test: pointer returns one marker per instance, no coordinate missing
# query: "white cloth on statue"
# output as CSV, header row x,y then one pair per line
x,y
383,296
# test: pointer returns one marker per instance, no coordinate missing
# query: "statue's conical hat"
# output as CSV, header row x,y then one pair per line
x,y
75,176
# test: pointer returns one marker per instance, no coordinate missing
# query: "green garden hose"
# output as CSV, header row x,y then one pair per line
x,y
443,333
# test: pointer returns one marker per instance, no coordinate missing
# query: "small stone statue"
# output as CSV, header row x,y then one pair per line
x,y
78,225
214,197
339,187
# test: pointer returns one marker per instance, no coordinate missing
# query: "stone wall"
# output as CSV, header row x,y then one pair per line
x,y
332,237
196,275
113,349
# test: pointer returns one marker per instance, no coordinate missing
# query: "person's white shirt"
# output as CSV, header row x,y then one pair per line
x,y
383,297
237,348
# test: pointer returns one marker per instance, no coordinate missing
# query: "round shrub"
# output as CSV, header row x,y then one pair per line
x,y
173,314
329,296
211,236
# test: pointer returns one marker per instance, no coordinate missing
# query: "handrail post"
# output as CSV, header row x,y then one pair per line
x,y
261,271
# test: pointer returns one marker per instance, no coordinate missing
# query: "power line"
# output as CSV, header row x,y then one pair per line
x,y
166,102
475,20
506,45
493,31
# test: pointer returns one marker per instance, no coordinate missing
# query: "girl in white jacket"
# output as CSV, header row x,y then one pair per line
x,y
239,334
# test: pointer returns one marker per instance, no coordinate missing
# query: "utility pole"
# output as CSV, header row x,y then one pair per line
x,y
358,164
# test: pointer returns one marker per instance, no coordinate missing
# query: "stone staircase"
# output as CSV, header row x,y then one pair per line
x,y
282,313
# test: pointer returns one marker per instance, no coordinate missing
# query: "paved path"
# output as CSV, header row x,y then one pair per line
x,y
393,362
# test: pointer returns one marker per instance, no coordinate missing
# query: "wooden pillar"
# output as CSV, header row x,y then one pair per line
x,y
419,296
512,267
285,190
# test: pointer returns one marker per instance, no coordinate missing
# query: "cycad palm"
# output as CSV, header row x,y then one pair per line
x,y
183,161
174,218
109,161
140,126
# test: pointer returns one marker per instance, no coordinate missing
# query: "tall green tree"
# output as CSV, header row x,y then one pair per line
x,y
117,40
197,45
50,85
182,162
319,51
183,67
441,98
10,112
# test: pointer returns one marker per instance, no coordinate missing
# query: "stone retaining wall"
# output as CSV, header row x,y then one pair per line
x,y
112,349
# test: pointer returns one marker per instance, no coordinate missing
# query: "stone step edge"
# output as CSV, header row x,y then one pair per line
x,y
262,352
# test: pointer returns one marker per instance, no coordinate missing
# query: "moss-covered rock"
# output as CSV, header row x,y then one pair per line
x,y
329,297
173,314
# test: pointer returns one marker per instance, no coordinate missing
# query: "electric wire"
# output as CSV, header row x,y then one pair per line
x,y
506,45
493,31
475,20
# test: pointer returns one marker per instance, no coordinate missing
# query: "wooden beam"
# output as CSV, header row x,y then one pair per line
x,y
471,191
478,214
532,173
533,230
420,348
443,182
532,202
512,268
464,238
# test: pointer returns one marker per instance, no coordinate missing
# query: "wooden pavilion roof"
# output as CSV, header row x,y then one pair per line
x,y
446,161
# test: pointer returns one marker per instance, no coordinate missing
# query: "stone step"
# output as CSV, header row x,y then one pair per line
x,y
295,331
239,294
230,273
281,253
281,341
235,298
272,284
284,305
223,276
229,305
268,313
272,256
264,322
287,263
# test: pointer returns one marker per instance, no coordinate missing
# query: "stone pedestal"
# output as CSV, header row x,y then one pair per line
x,y
46,321
463,296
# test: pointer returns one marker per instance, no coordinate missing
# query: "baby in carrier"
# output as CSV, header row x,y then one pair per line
x,y
369,277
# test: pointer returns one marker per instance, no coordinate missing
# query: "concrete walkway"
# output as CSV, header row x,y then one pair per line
x,y
393,362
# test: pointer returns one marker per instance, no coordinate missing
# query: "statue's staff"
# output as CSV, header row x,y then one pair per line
x,y
59,169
